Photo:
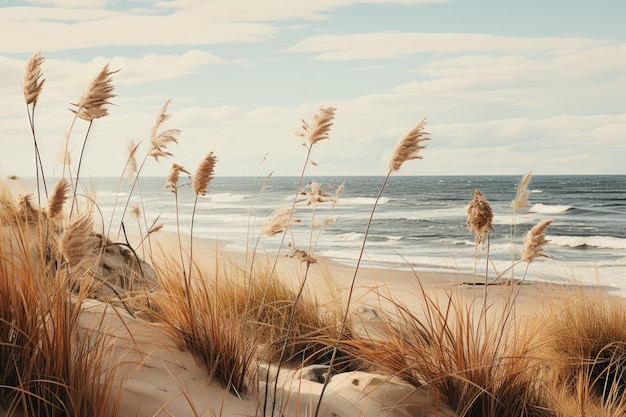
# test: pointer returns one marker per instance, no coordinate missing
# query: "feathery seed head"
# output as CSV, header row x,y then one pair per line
x,y
301,255
204,174
174,176
319,126
131,166
77,241
135,211
160,140
479,217
521,197
58,198
278,222
534,241
155,228
27,211
408,146
32,84
162,116
92,105
338,193
316,195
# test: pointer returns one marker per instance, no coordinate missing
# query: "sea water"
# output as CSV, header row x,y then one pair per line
x,y
418,223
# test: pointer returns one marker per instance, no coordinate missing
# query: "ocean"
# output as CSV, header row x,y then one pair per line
x,y
419,222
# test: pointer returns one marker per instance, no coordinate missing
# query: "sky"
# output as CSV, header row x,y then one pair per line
x,y
506,86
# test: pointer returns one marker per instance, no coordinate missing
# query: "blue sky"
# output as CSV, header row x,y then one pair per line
x,y
507,86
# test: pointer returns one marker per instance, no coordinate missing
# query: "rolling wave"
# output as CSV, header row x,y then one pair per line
x,y
546,209
603,242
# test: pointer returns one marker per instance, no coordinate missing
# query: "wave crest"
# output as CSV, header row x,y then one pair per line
x,y
603,242
546,209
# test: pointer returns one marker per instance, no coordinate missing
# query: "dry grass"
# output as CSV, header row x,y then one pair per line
x,y
200,322
476,360
474,354
231,322
588,343
48,365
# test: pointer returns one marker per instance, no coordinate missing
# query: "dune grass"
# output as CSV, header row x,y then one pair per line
x,y
475,354
48,365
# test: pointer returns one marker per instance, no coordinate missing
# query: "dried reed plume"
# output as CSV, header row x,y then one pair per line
x,y
155,228
58,198
319,127
33,83
204,174
278,222
77,241
534,241
316,195
301,255
92,105
27,211
479,217
338,193
521,197
160,140
131,163
408,147
135,211
174,176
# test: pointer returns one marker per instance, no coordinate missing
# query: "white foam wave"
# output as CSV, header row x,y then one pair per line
x,y
227,197
110,194
536,191
508,220
603,242
546,209
361,201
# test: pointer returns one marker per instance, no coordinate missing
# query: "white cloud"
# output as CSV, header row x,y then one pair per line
x,y
383,45
181,22
91,4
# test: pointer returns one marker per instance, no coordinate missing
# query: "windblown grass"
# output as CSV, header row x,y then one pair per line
x,y
476,360
588,344
48,365
474,353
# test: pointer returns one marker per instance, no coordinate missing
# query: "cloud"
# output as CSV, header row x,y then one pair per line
x,y
171,23
384,45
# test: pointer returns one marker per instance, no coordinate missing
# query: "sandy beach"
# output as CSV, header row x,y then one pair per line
x,y
149,328
160,379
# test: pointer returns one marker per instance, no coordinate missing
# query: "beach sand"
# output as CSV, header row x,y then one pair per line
x,y
157,378
154,376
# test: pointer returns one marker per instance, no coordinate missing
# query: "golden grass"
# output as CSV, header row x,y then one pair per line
x,y
48,365
474,354
588,342
476,359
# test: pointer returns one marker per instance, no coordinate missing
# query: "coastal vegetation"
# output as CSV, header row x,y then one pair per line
x,y
67,273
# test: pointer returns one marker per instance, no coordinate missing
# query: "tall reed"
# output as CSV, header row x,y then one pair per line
x,y
406,149
33,85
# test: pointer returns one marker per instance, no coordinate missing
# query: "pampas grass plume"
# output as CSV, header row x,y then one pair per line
x,y
92,105
408,147
278,222
204,174
160,140
58,198
521,198
534,241
33,83
319,127
479,217
26,209
76,242
174,176
131,166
